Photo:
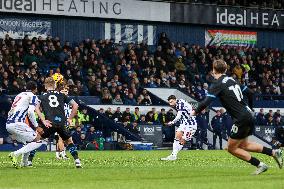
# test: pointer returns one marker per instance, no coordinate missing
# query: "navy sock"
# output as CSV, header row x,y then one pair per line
x,y
254,161
32,155
73,150
267,151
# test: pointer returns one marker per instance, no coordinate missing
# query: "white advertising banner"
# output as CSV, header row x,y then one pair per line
x,y
19,28
117,9
131,33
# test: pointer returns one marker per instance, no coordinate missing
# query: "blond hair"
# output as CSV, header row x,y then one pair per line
x,y
49,83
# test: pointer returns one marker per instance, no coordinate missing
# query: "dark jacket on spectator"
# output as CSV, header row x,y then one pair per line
x,y
217,123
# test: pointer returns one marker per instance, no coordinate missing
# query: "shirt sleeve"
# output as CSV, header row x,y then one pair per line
x,y
68,100
178,116
34,100
249,93
32,116
180,106
213,92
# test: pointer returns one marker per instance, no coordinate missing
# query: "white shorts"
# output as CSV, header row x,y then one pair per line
x,y
188,131
22,132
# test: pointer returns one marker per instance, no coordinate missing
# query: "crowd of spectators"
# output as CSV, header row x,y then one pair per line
x,y
118,72
270,118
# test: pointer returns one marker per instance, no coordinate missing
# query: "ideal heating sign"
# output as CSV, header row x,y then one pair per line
x,y
152,133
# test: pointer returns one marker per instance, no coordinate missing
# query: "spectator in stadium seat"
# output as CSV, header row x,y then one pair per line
x,y
101,111
270,121
151,82
238,71
15,88
146,101
173,82
75,122
179,65
155,115
117,116
130,100
76,136
277,114
217,125
199,92
170,115
126,115
267,92
106,97
182,85
142,120
84,142
109,113
117,100
164,41
136,114
84,116
91,134
30,58
134,127
150,117
278,121
162,117
205,89
269,114
260,118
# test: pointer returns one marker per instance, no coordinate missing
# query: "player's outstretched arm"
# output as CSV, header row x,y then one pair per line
x,y
249,93
31,114
178,116
202,105
74,106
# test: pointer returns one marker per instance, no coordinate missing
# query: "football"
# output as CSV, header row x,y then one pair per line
x,y
58,78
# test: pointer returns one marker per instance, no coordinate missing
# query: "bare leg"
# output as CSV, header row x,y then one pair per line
x,y
235,150
253,147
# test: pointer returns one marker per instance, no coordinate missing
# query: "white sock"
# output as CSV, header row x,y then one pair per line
x,y
57,154
27,148
176,147
63,153
25,158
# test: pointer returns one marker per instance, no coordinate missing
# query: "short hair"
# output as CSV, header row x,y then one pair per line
x,y
172,97
49,82
62,85
31,86
220,66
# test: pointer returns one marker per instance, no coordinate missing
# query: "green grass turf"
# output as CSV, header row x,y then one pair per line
x,y
139,170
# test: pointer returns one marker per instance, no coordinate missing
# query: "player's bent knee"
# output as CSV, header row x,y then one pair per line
x,y
182,141
179,135
69,141
38,137
232,147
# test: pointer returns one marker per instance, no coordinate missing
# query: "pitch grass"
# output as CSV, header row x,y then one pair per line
x,y
140,170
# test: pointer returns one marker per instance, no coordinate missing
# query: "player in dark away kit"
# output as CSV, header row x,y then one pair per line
x,y
231,96
52,104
